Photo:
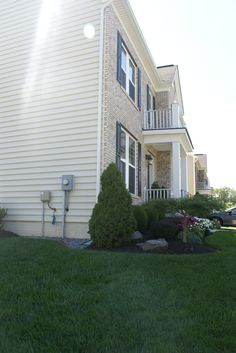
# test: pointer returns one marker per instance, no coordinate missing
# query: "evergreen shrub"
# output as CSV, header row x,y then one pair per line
x,y
199,205
141,217
112,221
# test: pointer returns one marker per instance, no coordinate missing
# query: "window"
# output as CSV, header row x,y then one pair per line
x,y
127,159
131,80
123,68
128,74
234,211
149,107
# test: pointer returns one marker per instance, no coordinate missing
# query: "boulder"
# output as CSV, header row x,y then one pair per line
x,y
136,236
154,245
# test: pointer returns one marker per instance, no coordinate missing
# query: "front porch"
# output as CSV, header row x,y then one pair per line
x,y
168,147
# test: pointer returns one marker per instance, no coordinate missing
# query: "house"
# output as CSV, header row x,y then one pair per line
x,y
202,181
79,90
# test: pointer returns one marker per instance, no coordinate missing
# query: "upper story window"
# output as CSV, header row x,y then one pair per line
x,y
151,100
128,74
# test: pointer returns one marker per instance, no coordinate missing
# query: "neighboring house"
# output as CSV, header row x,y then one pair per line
x,y
202,180
73,102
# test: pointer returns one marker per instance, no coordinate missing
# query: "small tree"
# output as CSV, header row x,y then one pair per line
x,y
112,221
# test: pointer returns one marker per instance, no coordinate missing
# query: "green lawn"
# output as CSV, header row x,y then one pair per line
x,y
57,300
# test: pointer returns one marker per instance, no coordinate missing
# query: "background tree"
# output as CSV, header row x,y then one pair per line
x,y
226,195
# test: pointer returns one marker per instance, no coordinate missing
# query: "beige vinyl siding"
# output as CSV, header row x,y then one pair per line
x,y
49,74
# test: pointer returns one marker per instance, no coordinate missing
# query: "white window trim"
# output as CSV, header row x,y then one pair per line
x,y
128,78
127,163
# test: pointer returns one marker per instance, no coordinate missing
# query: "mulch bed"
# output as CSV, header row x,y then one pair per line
x,y
5,234
175,247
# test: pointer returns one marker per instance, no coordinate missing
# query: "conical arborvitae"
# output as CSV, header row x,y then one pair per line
x,y
112,221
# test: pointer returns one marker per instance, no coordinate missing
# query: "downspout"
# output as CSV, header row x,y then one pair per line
x,y
100,96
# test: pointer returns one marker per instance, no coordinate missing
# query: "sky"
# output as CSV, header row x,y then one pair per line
x,y
200,37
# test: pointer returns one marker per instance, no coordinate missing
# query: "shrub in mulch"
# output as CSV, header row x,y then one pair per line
x,y
141,217
175,247
112,219
163,229
6,234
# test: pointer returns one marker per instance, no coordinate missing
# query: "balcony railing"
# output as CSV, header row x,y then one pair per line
x,y
158,119
163,118
202,185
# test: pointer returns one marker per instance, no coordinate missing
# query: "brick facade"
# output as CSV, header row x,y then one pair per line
x,y
117,105
163,165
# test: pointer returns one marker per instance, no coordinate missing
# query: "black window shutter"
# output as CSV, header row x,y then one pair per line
x,y
118,137
119,52
148,98
139,169
139,90
154,103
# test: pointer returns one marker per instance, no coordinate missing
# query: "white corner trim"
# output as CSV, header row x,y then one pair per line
x,y
100,96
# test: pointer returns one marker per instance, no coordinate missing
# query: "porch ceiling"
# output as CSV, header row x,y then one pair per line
x,y
161,146
165,138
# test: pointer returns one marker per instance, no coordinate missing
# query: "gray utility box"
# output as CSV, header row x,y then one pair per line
x,y
67,182
45,196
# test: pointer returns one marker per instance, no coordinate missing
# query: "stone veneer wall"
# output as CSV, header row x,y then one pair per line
x,y
117,106
163,164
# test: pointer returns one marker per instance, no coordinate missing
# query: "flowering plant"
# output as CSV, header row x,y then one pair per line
x,y
186,222
205,224
192,229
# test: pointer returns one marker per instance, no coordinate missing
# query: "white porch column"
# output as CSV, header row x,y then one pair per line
x,y
184,173
175,115
176,170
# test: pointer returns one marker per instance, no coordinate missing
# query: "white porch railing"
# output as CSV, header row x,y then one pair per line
x,y
185,194
157,194
158,119
163,118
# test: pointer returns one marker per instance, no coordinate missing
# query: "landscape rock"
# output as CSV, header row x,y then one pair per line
x,y
136,235
77,243
154,245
